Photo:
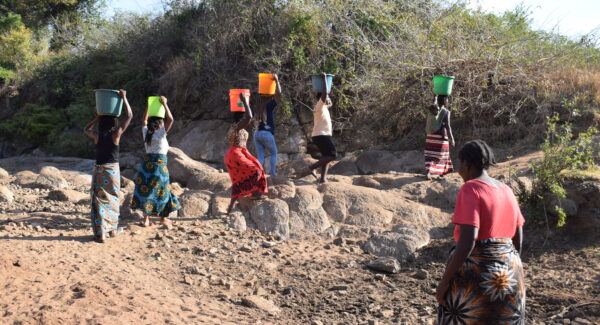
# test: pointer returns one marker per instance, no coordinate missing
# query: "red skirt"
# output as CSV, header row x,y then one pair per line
x,y
246,173
437,154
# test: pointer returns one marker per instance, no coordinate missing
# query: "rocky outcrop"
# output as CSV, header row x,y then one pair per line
x,y
6,195
271,217
194,174
204,140
51,177
65,195
195,203
307,215
399,243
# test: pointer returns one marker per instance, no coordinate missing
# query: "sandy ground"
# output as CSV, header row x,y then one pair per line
x,y
202,272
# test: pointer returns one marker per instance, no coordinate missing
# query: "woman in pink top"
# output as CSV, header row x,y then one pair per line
x,y
483,282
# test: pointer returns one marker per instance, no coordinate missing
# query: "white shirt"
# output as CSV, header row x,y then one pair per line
x,y
159,144
322,120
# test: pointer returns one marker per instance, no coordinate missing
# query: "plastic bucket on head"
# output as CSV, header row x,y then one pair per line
x,y
266,84
108,102
155,108
317,82
442,85
235,102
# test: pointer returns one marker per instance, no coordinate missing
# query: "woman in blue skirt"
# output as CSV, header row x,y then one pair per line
x,y
152,185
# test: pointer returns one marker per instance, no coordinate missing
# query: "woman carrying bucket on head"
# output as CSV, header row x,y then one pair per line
x,y
152,185
246,173
106,181
439,136
322,134
264,136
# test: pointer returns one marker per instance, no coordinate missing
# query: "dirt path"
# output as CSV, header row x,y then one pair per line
x,y
199,272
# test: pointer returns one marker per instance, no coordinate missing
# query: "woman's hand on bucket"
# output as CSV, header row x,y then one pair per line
x,y
122,93
163,100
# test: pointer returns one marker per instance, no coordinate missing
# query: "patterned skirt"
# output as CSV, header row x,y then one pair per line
x,y
437,154
246,173
153,188
106,184
488,289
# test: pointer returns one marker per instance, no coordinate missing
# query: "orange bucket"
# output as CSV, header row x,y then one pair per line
x,y
266,84
234,99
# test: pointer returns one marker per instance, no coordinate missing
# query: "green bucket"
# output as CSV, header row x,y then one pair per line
x,y
155,108
442,85
108,102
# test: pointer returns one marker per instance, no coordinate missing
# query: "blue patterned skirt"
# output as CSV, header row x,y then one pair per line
x,y
106,183
153,188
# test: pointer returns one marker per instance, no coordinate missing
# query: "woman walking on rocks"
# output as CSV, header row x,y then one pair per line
x,y
264,136
322,134
106,181
439,139
246,173
483,281
152,184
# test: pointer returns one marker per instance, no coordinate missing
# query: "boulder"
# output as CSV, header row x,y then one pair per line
x,y
345,166
6,195
377,161
281,187
271,217
412,161
237,221
214,182
3,173
204,140
50,177
385,264
125,199
128,160
290,140
261,303
195,204
356,205
195,174
65,195
219,204
401,242
568,206
25,178
306,212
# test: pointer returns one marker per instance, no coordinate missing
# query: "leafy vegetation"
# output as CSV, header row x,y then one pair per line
x,y
509,78
564,156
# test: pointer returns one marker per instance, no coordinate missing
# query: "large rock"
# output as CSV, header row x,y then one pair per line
x,y
204,140
381,161
272,217
51,177
3,173
281,187
25,178
400,243
306,212
237,221
195,174
385,264
356,205
346,166
290,139
65,195
195,203
6,195
260,303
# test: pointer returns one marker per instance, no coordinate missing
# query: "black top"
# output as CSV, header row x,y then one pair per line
x,y
106,150
270,112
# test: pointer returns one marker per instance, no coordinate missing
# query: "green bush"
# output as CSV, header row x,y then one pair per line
x,y
563,155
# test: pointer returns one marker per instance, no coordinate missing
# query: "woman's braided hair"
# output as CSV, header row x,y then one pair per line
x,y
477,153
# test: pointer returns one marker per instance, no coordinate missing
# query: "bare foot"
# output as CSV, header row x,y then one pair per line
x,y
166,221
116,232
146,222
428,176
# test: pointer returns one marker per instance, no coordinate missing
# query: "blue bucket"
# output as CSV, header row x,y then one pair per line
x,y
108,102
317,82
